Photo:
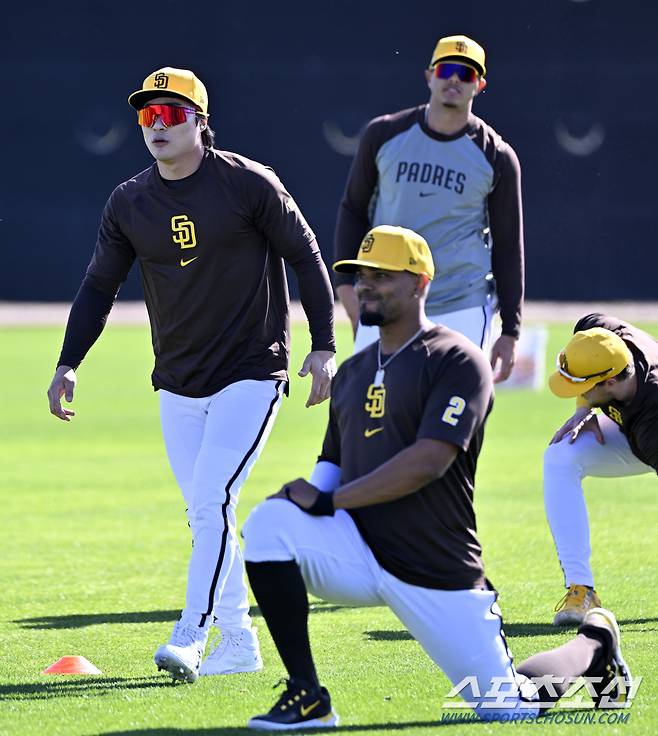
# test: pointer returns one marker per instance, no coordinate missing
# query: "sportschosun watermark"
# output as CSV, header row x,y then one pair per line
x,y
510,701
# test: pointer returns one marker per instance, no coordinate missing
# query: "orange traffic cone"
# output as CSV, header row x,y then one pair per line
x,y
72,665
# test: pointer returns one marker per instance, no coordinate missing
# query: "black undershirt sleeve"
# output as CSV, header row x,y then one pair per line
x,y
113,257
316,296
353,220
280,220
507,257
87,319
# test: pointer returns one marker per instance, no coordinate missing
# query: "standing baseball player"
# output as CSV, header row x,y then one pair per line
x,y
387,517
446,174
211,231
612,366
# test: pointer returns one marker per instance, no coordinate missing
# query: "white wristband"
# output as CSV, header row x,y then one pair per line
x,y
325,476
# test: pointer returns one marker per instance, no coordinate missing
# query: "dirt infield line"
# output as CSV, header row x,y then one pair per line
x,y
13,314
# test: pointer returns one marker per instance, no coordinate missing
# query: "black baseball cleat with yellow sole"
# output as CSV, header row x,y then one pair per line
x,y
613,683
299,706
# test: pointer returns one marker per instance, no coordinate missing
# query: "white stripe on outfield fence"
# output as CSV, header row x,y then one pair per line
x,y
47,313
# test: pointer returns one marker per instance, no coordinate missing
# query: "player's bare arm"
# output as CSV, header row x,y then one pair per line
x,y
321,364
583,420
405,473
63,384
350,302
503,352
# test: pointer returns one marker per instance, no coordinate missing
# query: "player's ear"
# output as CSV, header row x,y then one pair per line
x,y
481,85
423,281
428,76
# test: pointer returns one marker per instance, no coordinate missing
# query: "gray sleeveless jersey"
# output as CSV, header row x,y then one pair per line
x,y
461,192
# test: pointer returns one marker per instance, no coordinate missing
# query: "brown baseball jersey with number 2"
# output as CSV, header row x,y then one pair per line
x,y
440,387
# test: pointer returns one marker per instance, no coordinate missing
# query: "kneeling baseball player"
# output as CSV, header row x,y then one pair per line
x,y
387,517
612,366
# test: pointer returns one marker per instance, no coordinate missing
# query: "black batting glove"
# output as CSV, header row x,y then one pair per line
x,y
322,506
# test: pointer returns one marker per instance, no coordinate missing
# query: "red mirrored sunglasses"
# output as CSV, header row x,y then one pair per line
x,y
169,114
464,73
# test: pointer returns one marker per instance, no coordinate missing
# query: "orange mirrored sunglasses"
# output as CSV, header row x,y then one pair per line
x,y
169,114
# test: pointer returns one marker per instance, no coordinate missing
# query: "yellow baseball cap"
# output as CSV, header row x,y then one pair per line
x,y
459,48
391,248
591,356
169,81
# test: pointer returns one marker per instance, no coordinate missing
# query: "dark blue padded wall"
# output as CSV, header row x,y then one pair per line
x,y
291,84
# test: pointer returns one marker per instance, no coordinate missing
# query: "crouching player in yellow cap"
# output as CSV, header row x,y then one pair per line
x,y
612,366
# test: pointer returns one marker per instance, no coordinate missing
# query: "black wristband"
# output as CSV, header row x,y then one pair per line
x,y
322,506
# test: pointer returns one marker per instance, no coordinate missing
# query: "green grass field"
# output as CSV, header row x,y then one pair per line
x,y
96,544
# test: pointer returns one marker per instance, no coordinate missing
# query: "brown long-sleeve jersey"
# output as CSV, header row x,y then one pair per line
x,y
211,251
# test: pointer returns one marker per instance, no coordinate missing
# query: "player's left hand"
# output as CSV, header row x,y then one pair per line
x,y
504,350
307,497
300,492
321,364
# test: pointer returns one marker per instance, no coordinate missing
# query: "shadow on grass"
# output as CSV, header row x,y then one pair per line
x,y
237,731
90,686
392,635
529,629
547,629
81,620
363,727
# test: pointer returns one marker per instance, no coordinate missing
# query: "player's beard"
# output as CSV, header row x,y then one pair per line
x,y
371,319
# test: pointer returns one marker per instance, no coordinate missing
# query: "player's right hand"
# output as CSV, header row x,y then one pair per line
x,y
63,384
584,420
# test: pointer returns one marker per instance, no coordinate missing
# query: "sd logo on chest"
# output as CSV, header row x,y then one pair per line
x,y
184,235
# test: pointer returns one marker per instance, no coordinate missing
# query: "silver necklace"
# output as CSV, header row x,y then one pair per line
x,y
379,375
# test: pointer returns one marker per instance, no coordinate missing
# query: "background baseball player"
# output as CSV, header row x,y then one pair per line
x,y
446,174
211,231
387,517
611,365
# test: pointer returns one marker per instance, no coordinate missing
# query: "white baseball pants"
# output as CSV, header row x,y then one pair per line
x,y
475,323
461,630
212,444
565,466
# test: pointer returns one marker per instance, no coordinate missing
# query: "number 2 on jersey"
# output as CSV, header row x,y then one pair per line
x,y
454,410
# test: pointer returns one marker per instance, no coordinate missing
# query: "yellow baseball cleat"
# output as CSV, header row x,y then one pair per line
x,y
574,605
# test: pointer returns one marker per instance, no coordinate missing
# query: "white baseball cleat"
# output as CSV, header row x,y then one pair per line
x,y
235,650
181,656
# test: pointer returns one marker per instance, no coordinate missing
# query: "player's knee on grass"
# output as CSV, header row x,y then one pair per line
x,y
268,532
